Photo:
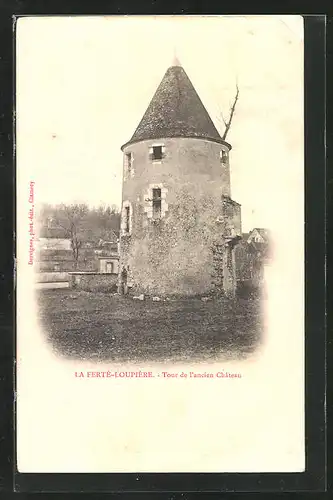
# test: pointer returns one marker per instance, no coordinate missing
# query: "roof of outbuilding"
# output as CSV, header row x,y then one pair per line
x,y
265,233
53,232
176,110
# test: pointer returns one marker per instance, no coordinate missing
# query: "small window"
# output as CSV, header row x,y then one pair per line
x,y
157,203
127,219
223,157
157,153
109,267
129,163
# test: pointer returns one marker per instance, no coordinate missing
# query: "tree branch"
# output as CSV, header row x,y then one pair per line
x,y
67,230
223,119
232,111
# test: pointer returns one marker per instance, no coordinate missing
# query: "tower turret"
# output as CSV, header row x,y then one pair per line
x,y
178,223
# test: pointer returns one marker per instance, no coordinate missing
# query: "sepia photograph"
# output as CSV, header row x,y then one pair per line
x,y
177,238
160,231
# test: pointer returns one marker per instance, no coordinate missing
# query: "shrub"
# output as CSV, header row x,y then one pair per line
x,y
247,290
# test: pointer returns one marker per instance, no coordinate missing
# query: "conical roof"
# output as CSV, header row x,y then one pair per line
x,y
176,110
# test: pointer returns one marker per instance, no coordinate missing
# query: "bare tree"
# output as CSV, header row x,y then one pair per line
x,y
72,218
84,226
228,122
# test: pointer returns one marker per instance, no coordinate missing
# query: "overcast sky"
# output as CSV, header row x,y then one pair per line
x,y
83,84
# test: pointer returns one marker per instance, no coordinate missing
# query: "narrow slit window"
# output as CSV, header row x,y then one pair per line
x,y
129,163
127,219
157,203
223,157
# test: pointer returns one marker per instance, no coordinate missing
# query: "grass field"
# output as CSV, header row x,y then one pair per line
x,y
99,326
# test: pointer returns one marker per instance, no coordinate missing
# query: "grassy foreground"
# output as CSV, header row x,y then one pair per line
x,y
99,326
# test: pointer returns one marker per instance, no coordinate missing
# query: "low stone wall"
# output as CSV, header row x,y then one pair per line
x,y
93,282
51,277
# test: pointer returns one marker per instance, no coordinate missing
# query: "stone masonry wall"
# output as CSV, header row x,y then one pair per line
x,y
93,282
174,255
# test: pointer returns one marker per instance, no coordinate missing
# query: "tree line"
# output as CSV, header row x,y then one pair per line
x,y
80,224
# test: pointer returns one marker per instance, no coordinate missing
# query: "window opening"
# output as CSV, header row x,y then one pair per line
x,y
157,203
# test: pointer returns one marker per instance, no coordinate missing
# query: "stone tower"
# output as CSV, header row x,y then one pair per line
x,y
179,225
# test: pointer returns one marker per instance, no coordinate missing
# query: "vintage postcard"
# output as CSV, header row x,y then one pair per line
x,y
160,229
